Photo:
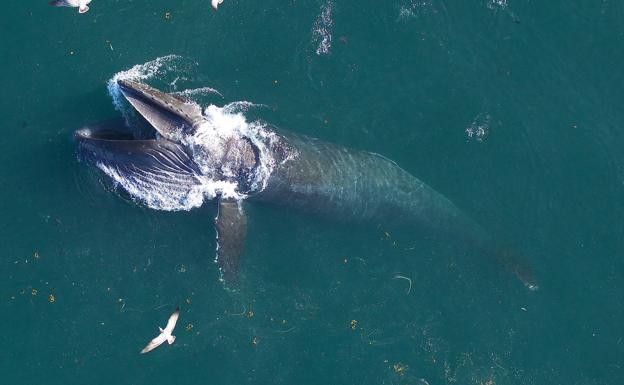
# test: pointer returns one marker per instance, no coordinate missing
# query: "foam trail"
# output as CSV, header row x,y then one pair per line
x,y
322,30
242,107
413,9
198,92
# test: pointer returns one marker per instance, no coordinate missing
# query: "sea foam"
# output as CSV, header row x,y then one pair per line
x,y
206,143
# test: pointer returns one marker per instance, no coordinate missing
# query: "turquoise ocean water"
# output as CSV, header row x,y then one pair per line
x,y
510,108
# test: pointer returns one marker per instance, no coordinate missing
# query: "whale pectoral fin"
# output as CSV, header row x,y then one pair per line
x,y
231,226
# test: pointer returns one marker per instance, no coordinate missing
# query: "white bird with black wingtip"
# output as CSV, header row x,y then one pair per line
x,y
165,334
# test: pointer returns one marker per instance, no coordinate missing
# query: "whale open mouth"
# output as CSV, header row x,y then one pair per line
x,y
156,169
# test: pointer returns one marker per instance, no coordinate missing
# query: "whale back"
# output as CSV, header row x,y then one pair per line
x,y
348,185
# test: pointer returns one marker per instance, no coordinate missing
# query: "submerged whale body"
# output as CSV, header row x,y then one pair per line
x,y
193,156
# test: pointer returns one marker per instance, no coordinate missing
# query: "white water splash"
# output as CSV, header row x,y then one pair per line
x,y
413,9
242,107
146,71
197,92
479,128
170,192
222,125
497,4
322,30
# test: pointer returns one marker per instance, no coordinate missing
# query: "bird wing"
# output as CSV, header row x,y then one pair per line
x,y
172,321
153,344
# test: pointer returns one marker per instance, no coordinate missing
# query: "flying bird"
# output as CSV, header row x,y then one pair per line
x,y
165,334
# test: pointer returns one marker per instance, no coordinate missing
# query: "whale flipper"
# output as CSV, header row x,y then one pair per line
x,y
231,226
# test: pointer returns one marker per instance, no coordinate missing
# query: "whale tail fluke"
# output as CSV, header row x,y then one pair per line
x,y
498,252
519,266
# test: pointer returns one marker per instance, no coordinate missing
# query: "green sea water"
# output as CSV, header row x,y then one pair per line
x,y
511,109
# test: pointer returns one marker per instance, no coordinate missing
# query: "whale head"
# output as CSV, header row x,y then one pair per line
x,y
177,163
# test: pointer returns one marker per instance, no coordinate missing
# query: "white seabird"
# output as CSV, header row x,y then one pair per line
x,y
165,334
215,3
80,4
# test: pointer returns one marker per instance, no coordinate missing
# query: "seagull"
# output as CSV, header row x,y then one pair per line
x,y
80,4
165,334
215,3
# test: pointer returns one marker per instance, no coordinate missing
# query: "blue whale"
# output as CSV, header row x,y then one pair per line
x,y
191,157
